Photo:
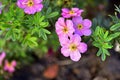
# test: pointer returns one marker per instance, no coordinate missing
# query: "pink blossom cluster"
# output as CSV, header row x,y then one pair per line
x,y
30,6
69,28
7,66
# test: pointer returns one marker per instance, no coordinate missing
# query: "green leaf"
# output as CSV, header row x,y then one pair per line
x,y
107,46
97,30
99,52
103,57
42,33
8,34
105,51
49,10
117,8
115,27
44,24
106,34
32,42
46,31
96,44
53,14
112,36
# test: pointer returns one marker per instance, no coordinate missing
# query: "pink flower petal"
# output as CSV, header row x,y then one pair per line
x,y
75,56
21,3
69,24
87,32
65,10
75,9
61,21
76,39
87,23
2,56
30,10
11,69
37,1
77,20
38,7
65,51
63,40
14,63
82,47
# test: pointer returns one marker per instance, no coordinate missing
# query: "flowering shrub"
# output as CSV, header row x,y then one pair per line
x,y
29,26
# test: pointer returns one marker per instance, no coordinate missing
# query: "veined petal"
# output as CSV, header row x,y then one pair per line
x,y
21,3
58,26
38,7
87,32
30,10
37,1
65,51
61,21
77,20
75,9
65,10
75,56
75,39
64,41
82,47
87,23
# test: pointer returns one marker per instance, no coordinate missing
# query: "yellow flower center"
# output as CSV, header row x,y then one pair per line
x,y
30,3
9,64
71,12
79,26
72,47
65,30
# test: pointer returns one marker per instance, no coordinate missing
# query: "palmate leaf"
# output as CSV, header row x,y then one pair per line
x,y
43,33
103,53
30,41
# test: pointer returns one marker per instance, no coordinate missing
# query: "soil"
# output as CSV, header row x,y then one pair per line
x,y
57,67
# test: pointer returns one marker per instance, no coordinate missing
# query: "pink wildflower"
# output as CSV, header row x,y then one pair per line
x,y
73,47
0,7
10,67
30,6
66,13
82,27
64,28
2,56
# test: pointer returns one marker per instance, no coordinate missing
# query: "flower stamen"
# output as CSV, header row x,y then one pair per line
x,y
79,26
65,30
71,12
73,47
30,3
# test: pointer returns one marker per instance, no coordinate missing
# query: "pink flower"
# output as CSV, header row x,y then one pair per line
x,y
0,7
82,27
10,67
66,13
30,6
64,28
2,56
73,47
